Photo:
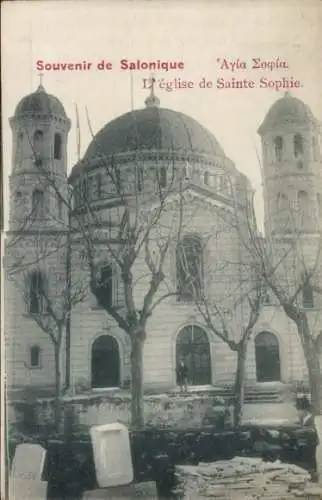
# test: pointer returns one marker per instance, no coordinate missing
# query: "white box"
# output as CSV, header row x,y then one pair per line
x,y
112,454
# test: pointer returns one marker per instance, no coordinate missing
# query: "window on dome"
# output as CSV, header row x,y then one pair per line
x,y
163,177
34,356
206,178
38,203
98,178
318,200
140,178
189,268
298,145
314,148
278,144
57,146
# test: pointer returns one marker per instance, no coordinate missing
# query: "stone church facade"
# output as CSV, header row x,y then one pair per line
x,y
38,233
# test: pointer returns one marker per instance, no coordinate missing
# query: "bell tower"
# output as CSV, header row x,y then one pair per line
x,y
36,237
39,163
291,151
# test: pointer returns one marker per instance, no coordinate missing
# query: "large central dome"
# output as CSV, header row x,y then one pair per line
x,y
153,128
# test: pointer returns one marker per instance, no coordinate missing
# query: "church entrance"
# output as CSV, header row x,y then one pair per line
x,y
193,347
105,362
267,356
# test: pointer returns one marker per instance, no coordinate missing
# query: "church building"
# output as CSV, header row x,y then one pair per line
x,y
39,237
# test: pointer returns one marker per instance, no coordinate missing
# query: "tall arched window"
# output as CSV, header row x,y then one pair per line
x,y
98,179
104,285
278,145
189,268
314,148
34,356
298,145
307,295
38,203
57,146
38,144
192,346
267,357
37,300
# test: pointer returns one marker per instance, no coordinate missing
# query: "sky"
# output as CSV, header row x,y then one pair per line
x,y
206,36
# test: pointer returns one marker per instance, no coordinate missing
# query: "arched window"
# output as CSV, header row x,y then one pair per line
x,y
38,203
267,357
192,346
60,208
307,295
37,301
206,178
278,144
19,147
104,285
298,145
189,268
38,144
57,146
34,356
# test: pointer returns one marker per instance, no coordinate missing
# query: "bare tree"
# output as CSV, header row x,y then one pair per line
x,y
226,289
49,294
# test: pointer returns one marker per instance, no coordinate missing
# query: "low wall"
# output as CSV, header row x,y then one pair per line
x,y
174,411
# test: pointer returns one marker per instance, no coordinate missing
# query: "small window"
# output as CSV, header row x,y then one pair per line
x,y
18,196
60,208
140,178
318,200
36,293
308,296
38,203
38,144
206,178
163,177
34,356
57,146
104,285
314,148
278,144
298,145
98,186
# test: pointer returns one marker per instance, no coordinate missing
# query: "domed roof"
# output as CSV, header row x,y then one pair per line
x,y
153,128
285,110
40,102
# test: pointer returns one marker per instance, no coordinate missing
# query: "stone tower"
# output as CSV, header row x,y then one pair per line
x,y
38,222
291,168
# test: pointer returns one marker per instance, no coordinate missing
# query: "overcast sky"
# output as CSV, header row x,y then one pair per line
x,y
197,33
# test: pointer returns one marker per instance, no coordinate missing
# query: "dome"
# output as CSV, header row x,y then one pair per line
x,y
285,110
153,128
40,102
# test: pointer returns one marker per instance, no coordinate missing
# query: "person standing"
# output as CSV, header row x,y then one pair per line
x,y
182,375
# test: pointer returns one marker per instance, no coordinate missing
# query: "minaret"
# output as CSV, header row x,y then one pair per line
x,y
39,163
291,167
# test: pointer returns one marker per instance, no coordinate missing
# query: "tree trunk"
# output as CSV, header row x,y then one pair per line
x,y
240,383
312,357
57,400
137,381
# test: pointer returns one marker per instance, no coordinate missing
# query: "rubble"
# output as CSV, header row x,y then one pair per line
x,y
245,478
